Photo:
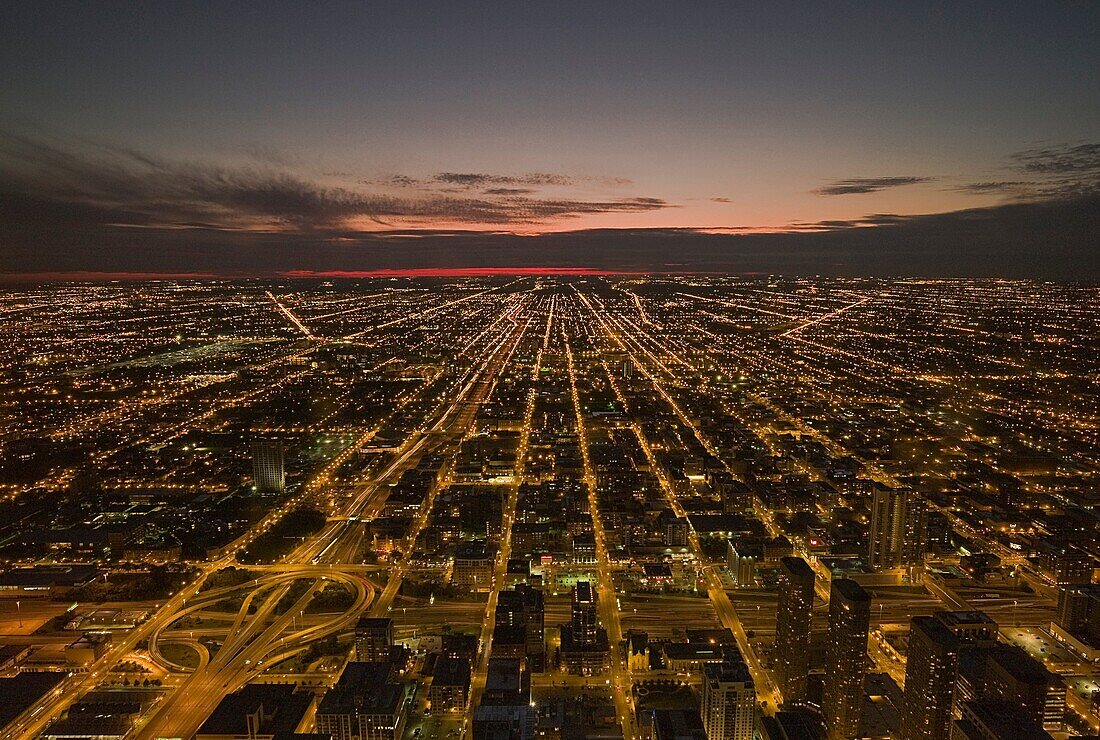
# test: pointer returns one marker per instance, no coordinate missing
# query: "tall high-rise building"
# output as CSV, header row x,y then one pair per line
x,y
899,520
1069,566
729,699
1074,606
584,622
974,627
522,607
995,720
930,674
584,645
373,639
1014,677
268,474
845,658
793,616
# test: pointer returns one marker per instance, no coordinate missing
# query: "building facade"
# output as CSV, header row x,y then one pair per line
x,y
268,470
845,658
930,674
729,700
898,526
793,617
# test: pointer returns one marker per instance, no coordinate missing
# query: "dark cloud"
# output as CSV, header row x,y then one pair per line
x,y
450,182
1061,171
400,181
1048,238
860,185
112,209
992,186
874,219
1064,160
137,190
510,191
478,179
270,155
721,200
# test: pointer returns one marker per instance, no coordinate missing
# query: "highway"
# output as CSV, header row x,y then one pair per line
x,y
263,636
452,416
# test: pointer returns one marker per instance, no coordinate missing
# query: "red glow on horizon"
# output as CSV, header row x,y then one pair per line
x,y
452,272
90,276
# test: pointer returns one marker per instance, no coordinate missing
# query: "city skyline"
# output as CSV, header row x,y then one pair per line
x,y
920,140
550,371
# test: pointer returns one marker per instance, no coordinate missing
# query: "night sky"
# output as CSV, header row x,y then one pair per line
x,y
833,138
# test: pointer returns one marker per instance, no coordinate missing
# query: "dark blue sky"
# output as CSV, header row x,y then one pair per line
x,y
304,120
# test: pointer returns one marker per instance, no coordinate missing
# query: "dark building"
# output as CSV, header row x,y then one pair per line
x,y
504,722
1079,610
258,711
993,720
507,683
473,565
584,646
793,616
676,724
930,674
974,627
373,639
845,658
584,609
788,725
365,704
450,687
1013,676
1077,623
677,531
898,528
522,608
976,632
268,472
1069,566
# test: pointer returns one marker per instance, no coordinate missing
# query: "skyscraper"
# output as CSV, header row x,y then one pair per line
x,y
1014,677
729,699
1070,566
373,639
974,628
845,658
930,673
584,646
898,525
584,621
268,474
793,615
522,607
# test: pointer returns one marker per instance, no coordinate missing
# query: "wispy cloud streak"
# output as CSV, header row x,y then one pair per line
x,y
861,185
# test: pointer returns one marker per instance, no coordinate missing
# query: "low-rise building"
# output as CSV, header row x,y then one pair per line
x,y
450,687
365,704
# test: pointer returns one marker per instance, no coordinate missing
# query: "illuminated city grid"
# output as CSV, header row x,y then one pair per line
x,y
666,440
